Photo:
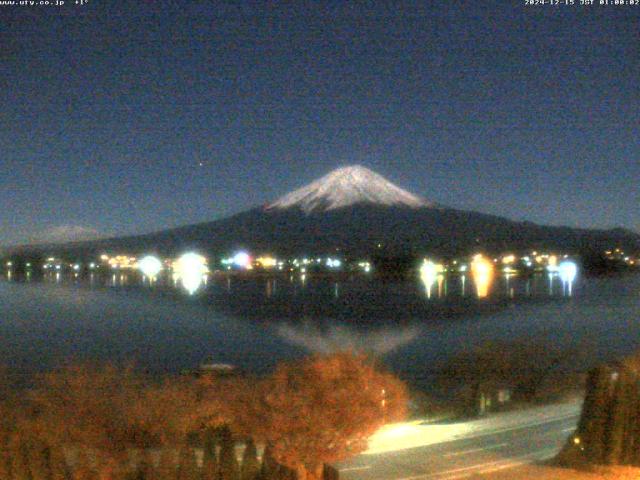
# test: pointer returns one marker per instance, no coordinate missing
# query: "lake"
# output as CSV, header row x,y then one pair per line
x,y
255,322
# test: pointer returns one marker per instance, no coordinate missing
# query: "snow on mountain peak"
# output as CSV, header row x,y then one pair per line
x,y
348,186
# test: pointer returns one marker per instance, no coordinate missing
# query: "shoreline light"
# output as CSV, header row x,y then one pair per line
x,y
191,269
482,272
266,261
150,266
241,259
567,271
429,274
333,263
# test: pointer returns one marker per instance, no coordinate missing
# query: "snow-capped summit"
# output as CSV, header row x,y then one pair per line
x,y
348,186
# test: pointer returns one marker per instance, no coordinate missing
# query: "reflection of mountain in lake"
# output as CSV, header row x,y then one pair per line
x,y
337,337
362,302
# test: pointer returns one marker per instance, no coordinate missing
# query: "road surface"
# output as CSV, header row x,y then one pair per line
x,y
414,451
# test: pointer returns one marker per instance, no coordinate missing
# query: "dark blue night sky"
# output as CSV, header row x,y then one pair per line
x,y
129,117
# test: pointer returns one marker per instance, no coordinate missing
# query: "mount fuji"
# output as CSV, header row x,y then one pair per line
x,y
355,211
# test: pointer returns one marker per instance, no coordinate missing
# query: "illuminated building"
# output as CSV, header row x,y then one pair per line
x,y
266,262
121,262
508,259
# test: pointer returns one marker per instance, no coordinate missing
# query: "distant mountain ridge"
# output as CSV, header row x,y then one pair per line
x,y
355,211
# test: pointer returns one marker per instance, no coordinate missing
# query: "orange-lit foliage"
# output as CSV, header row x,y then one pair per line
x,y
324,409
237,400
175,408
85,422
89,406
90,409
106,412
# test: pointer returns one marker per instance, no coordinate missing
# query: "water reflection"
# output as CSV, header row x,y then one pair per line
x,y
190,270
160,330
431,272
509,290
567,271
150,266
441,280
337,337
482,272
270,287
316,289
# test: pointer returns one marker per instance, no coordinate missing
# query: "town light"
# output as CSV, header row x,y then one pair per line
x,y
568,271
482,272
267,262
429,273
241,259
508,259
333,263
190,269
150,266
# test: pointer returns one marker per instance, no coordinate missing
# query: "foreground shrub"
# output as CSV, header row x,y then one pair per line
x,y
324,409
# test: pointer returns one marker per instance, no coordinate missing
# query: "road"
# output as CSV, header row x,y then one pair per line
x,y
415,451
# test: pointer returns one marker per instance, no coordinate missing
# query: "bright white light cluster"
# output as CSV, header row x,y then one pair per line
x,y
568,271
429,273
366,266
191,269
333,263
241,259
150,266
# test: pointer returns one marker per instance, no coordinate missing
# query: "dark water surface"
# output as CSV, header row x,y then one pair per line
x,y
254,323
